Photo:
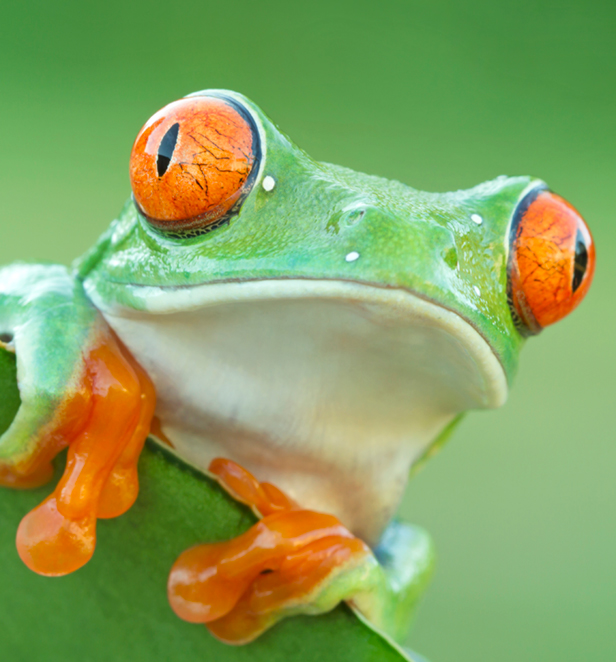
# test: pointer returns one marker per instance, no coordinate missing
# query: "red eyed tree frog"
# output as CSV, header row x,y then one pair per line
x,y
304,333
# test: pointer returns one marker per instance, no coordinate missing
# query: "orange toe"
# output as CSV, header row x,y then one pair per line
x,y
197,589
265,498
53,545
122,485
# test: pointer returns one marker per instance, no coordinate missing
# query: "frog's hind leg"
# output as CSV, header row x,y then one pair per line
x,y
79,388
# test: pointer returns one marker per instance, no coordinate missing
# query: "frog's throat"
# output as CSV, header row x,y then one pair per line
x,y
391,305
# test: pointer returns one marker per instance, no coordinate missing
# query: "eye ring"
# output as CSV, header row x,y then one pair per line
x,y
193,164
521,313
551,260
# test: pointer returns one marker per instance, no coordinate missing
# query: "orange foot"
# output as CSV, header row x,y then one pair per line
x,y
242,587
105,426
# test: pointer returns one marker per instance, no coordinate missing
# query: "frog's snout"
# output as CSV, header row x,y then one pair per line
x,y
551,260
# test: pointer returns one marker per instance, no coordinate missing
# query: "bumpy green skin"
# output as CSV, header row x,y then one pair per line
x,y
317,214
423,242
52,323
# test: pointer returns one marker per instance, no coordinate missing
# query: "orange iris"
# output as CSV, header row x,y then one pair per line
x,y
552,261
192,162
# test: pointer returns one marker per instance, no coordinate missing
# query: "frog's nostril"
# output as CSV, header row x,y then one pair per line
x,y
551,260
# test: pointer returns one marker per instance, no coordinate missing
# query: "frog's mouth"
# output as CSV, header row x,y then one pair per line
x,y
330,389
391,312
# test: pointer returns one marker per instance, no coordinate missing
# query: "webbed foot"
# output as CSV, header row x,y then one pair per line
x,y
293,561
296,561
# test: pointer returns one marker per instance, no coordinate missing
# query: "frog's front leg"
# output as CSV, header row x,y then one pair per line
x,y
295,561
79,387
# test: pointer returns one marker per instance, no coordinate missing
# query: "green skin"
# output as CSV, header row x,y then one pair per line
x,y
422,243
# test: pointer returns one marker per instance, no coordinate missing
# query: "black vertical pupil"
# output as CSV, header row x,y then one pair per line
x,y
165,149
580,262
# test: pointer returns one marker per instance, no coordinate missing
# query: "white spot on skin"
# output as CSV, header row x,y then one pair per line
x,y
268,183
352,256
477,290
476,219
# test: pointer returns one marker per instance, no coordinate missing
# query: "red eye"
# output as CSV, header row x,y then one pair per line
x,y
192,163
552,261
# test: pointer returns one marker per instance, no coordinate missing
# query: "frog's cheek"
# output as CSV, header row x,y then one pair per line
x,y
109,422
552,261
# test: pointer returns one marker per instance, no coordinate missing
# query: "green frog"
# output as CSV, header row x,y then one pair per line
x,y
306,334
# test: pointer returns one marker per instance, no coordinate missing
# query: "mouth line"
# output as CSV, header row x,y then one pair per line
x,y
239,281
392,302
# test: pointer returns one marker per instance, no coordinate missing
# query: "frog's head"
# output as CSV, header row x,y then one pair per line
x,y
226,209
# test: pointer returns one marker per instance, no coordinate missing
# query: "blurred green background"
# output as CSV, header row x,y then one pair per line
x,y
440,95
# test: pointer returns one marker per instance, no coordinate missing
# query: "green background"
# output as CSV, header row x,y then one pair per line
x,y
440,95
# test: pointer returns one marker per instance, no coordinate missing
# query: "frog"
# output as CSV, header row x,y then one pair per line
x,y
305,334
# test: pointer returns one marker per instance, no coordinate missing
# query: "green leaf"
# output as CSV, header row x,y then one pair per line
x,y
115,608
9,393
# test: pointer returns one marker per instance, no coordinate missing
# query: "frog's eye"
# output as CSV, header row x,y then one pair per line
x,y
551,261
193,163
